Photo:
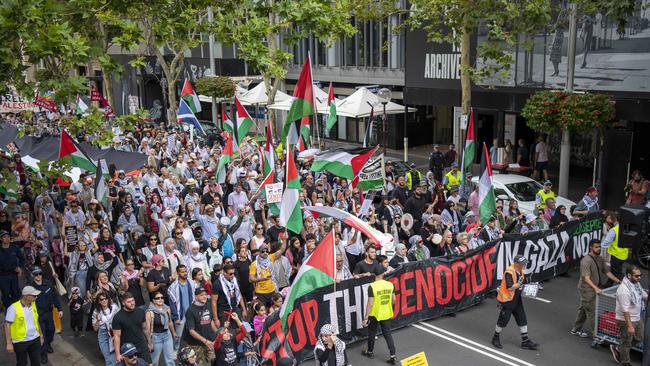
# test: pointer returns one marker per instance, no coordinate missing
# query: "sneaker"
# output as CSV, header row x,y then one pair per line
x,y
391,360
529,344
579,333
541,287
615,354
365,353
496,342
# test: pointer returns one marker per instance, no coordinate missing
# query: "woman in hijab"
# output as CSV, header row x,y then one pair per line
x,y
559,217
399,257
330,350
196,259
450,217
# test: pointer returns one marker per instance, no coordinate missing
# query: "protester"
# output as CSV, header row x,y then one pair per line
x,y
129,327
631,299
588,203
11,262
636,189
46,302
379,312
224,344
160,330
200,328
330,350
102,318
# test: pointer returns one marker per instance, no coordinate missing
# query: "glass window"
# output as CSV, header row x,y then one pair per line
x,y
525,191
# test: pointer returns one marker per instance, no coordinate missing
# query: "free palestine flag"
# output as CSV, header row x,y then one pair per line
x,y
82,107
372,175
186,115
319,270
226,155
79,159
486,198
190,97
341,162
290,212
332,118
243,123
101,191
470,148
302,107
227,123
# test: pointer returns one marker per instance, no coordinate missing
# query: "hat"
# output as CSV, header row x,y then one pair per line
x,y
453,189
191,182
414,239
263,246
3,233
36,270
30,291
530,218
437,238
521,259
327,329
43,253
199,290
548,182
166,213
92,221
94,200
209,207
128,349
200,167
156,258
225,221
592,190
454,165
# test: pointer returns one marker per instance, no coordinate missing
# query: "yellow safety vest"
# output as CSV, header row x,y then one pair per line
x,y
382,306
613,249
504,294
452,180
409,179
18,327
544,196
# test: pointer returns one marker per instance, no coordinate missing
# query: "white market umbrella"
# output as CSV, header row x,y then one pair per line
x,y
320,99
359,104
257,96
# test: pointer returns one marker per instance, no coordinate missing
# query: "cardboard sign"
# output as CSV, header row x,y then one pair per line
x,y
273,192
418,359
71,237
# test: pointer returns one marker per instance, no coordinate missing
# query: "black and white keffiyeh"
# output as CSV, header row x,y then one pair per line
x,y
339,346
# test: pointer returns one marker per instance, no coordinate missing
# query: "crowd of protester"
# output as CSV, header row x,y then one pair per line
x,y
180,265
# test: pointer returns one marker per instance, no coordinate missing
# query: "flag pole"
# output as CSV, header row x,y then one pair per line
x,y
315,115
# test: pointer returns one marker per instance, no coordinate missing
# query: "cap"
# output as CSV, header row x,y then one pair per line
x,y
379,270
521,259
453,189
263,247
224,221
191,182
156,258
43,253
94,200
530,218
30,291
3,233
199,290
454,165
437,239
128,349
36,270
548,182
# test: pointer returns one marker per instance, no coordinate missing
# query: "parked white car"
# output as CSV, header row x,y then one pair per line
x,y
523,190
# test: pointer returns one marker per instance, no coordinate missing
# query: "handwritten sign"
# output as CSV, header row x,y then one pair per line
x,y
71,237
273,192
418,359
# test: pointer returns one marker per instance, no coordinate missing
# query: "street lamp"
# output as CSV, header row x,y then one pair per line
x,y
384,95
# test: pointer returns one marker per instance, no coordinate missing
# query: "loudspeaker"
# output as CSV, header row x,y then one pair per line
x,y
632,223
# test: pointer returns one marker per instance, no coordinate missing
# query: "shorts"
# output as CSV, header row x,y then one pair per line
x,y
541,166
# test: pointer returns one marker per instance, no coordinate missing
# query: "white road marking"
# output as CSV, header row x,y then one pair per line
x,y
474,346
540,299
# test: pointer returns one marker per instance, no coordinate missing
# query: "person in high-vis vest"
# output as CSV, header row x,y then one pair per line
x,y
510,303
379,312
544,194
617,255
452,178
22,332
413,178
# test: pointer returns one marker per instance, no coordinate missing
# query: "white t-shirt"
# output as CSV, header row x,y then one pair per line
x,y
542,152
31,332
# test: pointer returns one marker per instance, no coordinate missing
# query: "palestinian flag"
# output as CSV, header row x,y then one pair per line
x,y
470,148
268,165
243,123
319,270
82,107
302,108
372,175
332,118
79,159
346,163
226,155
101,191
486,198
226,122
377,237
190,97
290,212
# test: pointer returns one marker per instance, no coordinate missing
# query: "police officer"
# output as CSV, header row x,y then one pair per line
x,y
379,312
45,303
544,194
437,163
11,262
413,177
510,303
452,178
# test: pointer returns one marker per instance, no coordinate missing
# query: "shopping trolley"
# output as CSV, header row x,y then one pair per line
x,y
606,326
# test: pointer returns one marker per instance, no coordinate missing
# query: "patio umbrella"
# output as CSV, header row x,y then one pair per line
x,y
360,103
257,96
320,99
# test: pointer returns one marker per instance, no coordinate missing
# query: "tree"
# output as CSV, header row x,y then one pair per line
x,y
264,31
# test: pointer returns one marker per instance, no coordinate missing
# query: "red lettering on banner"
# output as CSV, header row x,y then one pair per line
x,y
406,292
469,274
295,322
490,266
478,270
458,287
441,270
267,336
424,286
310,315
398,295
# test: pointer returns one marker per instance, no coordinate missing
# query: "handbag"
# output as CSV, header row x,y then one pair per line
x,y
58,286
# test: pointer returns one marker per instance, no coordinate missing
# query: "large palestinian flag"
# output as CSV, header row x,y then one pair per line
x,y
302,107
79,159
190,97
350,220
290,213
470,148
344,163
243,123
486,198
319,270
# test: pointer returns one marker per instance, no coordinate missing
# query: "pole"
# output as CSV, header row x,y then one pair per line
x,y
406,139
212,65
565,151
384,128
315,115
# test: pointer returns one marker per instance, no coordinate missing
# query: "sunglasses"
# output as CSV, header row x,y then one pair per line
x,y
178,233
153,239
264,251
260,228
158,298
103,299
132,356
37,274
230,273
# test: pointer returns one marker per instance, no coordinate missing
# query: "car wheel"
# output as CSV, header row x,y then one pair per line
x,y
643,255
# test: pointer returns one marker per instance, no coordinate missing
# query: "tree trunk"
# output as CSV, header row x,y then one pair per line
x,y
465,79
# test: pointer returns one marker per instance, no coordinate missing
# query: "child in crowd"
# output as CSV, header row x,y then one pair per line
x,y
276,303
76,311
259,318
120,238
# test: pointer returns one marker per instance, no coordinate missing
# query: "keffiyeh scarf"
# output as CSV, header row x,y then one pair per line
x,y
339,345
230,288
262,264
636,292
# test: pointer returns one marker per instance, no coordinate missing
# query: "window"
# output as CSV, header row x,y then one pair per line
x,y
524,191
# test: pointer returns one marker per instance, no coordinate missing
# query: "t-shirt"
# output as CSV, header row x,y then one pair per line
x,y
130,323
224,299
365,267
30,326
596,269
263,287
523,151
157,277
542,152
184,297
198,318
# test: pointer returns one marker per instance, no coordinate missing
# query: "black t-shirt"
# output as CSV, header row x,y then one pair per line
x,y
364,267
198,318
130,323
223,304
207,199
274,233
161,276
523,151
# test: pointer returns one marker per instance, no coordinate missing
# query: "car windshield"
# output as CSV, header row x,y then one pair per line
x,y
524,191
